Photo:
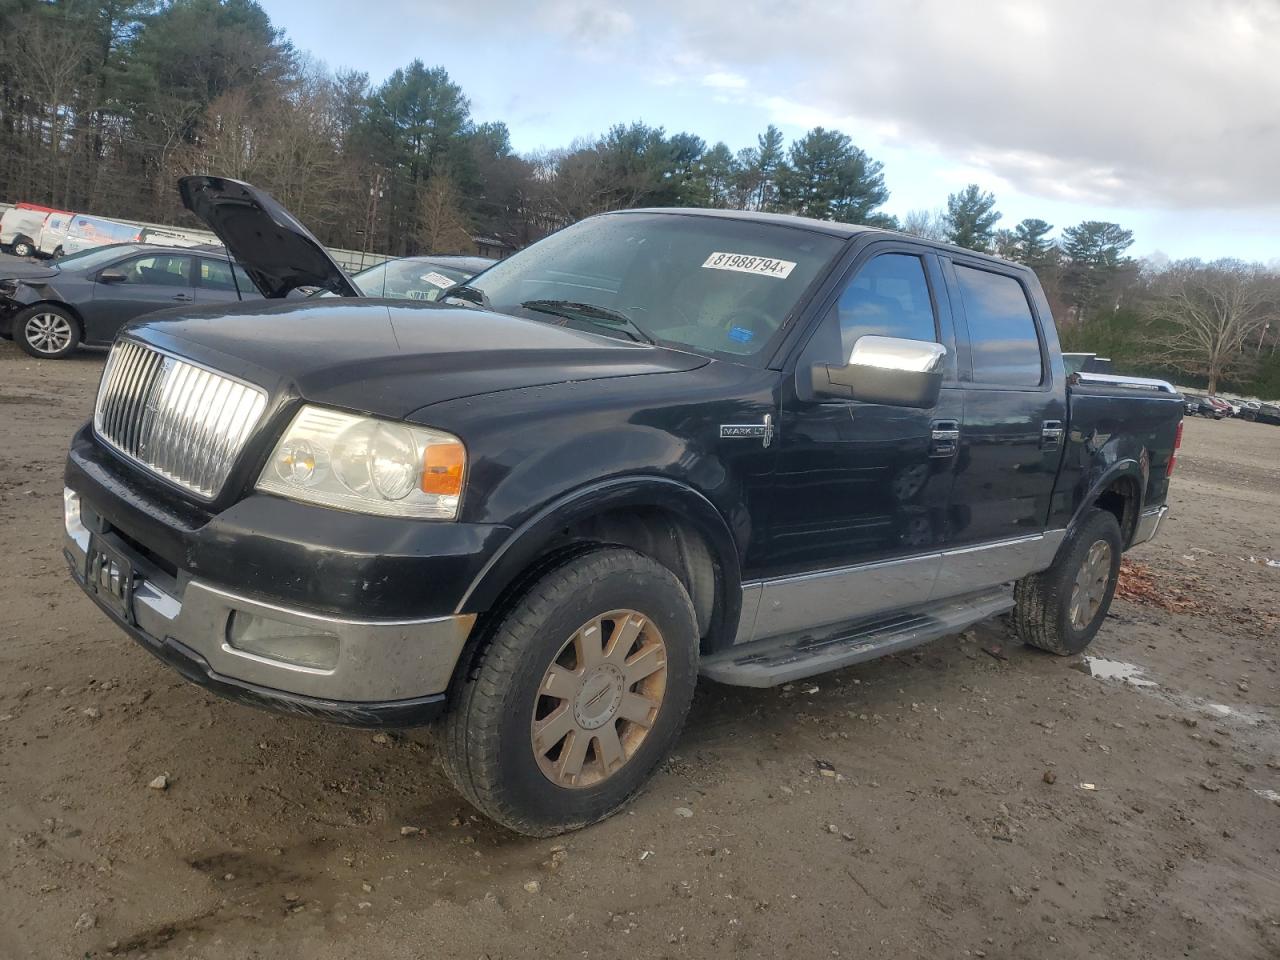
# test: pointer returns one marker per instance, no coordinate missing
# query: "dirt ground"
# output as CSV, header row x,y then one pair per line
x,y
955,821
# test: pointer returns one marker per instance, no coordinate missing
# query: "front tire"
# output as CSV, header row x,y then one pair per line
x,y
1062,608
47,331
580,691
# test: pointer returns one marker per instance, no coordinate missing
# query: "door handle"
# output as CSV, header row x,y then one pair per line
x,y
945,438
184,297
1050,434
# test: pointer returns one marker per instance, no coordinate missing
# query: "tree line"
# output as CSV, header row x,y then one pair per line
x,y
104,103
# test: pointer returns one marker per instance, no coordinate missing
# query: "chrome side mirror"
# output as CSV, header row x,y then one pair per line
x,y
888,370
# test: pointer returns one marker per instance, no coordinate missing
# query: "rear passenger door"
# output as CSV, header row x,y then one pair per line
x,y
1011,435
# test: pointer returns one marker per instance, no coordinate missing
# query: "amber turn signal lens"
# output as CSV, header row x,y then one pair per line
x,y
442,465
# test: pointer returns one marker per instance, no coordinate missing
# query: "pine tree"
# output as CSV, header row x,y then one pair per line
x,y
971,218
1033,243
828,178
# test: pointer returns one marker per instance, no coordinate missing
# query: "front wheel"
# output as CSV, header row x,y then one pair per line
x,y
46,331
1061,609
579,693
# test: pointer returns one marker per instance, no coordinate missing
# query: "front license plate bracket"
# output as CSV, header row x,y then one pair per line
x,y
110,577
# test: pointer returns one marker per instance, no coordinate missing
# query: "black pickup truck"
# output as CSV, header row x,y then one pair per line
x,y
657,445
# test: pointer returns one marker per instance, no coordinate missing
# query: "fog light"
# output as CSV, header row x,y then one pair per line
x,y
287,642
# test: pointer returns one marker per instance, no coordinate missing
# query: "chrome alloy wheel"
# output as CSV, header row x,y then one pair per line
x,y
47,332
1090,587
599,698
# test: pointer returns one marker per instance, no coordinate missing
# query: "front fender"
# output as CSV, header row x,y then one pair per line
x,y
531,539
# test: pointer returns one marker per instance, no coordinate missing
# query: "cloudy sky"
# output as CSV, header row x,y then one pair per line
x,y
1163,115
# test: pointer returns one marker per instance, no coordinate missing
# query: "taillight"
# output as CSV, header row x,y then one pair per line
x,y
1173,457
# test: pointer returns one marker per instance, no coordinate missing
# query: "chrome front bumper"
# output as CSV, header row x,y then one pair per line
x,y
377,661
1148,525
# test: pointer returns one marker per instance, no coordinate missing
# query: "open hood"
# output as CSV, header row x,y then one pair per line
x,y
277,251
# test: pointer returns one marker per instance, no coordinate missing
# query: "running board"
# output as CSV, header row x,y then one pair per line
x,y
767,663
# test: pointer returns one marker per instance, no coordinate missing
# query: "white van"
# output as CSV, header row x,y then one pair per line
x,y
54,233
178,238
88,232
20,228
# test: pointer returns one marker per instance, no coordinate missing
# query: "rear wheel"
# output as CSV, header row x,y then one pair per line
x,y
46,331
580,692
1061,609
23,248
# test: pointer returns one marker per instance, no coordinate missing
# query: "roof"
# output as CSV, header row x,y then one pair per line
x,y
831,228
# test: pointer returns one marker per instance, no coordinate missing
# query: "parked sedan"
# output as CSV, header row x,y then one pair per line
x,y
51,308
418,278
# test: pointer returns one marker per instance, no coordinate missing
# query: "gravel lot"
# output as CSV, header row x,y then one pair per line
x,y
954,823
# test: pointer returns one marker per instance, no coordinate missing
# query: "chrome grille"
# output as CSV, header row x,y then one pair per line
x,y
180,421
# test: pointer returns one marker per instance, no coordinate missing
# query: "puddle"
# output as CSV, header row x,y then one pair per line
x,y
1117,670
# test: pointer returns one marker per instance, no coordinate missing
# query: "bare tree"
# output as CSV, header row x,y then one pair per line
x,y
441,224
1214,313
926,224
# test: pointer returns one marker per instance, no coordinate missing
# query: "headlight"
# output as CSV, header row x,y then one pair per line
x,y
368,465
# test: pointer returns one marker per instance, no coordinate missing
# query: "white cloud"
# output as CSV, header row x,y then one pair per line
x,y
1157,103
723,80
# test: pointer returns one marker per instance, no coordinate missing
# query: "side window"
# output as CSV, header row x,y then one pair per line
x,y
216,275
161,270
1002,330
888,297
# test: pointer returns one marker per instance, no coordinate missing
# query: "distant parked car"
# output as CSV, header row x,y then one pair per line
x,y
1233,406
1220,407
1268,413
20,228
418,278
51,308
1195,404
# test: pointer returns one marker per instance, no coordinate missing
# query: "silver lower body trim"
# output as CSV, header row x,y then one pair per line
x,y
1148,525
791,604
377,660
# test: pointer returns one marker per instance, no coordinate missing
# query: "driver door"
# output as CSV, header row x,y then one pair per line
x,y
133,287
862,489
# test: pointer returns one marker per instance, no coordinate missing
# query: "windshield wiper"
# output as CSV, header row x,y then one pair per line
x,y
466,292
601,316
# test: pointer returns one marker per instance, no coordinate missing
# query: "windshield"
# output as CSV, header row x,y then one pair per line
x,y
711,284
94,257
409,279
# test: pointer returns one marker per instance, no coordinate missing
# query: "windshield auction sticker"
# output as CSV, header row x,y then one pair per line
x,y
437,279
741,263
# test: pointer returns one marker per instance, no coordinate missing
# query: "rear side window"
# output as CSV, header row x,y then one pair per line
x,y
216,275
1002,330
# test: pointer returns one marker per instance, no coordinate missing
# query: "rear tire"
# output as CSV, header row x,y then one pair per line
x,y
1062,608
550,733
47,331
23,248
